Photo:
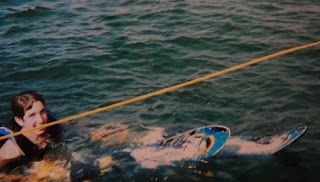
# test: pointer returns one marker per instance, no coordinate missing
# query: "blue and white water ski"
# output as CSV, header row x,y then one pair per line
x,y
195,144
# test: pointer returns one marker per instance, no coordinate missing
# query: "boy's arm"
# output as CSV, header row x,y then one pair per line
x,y
9,152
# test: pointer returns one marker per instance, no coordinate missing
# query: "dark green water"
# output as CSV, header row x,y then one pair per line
x,y
83,54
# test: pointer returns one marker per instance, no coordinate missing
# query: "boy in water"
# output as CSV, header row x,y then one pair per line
x,y
29,111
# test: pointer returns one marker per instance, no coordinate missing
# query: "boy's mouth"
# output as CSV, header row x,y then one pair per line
x,y
40,131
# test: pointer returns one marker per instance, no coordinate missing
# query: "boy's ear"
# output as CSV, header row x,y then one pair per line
x,y
19,120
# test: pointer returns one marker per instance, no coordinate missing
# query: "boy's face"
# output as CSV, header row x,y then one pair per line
x,y
34,117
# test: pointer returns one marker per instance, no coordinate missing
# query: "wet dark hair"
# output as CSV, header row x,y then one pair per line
x,y
23,102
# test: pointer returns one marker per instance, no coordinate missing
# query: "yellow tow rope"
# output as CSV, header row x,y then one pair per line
x,y
168,89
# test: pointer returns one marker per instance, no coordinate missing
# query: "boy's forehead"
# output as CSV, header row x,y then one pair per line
x,y
36,106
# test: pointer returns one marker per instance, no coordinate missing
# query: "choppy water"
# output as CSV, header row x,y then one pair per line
x,y
83,54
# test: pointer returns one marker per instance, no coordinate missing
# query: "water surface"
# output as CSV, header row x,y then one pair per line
x,y
83,54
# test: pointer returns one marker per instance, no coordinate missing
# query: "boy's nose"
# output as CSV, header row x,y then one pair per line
x,y
40,119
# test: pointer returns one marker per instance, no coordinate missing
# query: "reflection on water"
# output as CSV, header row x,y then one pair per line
x,y
110,134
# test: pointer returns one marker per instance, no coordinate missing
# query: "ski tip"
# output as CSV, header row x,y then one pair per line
x,y
297,133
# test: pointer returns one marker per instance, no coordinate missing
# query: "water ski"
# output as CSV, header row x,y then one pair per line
x,y
206,140
194,144
240,145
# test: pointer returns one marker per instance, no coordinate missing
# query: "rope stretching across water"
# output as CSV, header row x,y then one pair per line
x,y
168,89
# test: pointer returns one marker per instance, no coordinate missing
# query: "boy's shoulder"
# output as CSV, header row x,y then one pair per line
x,y
8,147
10,150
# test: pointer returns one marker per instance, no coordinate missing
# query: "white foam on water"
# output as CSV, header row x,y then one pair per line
x,y
245,147
152,157
154,135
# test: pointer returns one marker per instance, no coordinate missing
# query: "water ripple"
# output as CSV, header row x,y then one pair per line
x,y
84,54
